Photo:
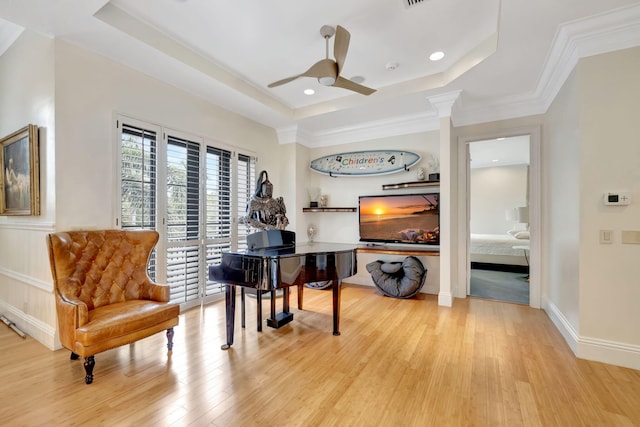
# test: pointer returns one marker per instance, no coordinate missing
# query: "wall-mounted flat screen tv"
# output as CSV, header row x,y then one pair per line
x,y
400,218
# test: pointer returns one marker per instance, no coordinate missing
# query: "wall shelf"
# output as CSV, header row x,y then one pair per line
x,y
382,249
329,209
412,184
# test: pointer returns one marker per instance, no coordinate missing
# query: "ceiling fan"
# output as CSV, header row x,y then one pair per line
x,y
327,71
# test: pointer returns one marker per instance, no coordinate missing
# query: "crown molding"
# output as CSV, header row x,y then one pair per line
x,y
293,134
443,103
606,32
9,33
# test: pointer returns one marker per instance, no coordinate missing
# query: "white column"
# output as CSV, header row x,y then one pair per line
x,y
443,104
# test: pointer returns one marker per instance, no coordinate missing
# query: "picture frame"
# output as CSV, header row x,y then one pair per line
x,y
20,177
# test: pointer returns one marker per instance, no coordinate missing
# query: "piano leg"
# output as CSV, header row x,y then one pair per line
x,y
242,306
336,306
230,312
259,308
300,295
285,300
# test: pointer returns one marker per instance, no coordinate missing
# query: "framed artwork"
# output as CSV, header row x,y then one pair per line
x,y
20,178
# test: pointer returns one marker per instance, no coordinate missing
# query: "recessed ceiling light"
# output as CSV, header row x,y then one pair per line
x,y
391,65
436,56
309,91
357,79
495,160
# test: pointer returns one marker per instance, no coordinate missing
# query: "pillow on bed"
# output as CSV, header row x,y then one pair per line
x,y
513,232
524,235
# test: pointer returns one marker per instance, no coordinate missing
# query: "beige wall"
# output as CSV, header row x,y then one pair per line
x,y
494,190
590,148
561,209
27,94
609,89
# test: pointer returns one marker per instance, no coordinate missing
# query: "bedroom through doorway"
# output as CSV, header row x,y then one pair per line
x,y
499,173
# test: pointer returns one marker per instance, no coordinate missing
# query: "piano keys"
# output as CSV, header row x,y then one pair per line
x,y
269,269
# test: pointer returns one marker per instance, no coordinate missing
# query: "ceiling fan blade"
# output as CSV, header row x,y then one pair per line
x,y
322,68
350,85
341,46
284,81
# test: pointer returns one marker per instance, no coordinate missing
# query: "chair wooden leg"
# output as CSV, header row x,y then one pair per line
x,y
89,363
170,339
74,356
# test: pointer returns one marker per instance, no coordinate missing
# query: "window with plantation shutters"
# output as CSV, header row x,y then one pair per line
x,y
224,220
138,178
246,172
138,161
194,194
182,219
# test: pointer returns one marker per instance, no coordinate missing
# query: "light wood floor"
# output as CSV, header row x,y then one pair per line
x,y
397,363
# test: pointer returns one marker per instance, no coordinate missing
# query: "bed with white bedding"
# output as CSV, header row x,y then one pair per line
x,y
499,249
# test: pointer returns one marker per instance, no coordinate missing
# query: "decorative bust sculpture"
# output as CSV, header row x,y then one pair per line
x,y
263,211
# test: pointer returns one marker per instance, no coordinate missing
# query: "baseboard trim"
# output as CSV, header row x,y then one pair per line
x,y
445,299
597,350
562,323
35,328
611,352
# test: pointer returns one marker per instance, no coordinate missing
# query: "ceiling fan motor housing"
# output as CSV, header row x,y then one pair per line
x,y
326,81
327,31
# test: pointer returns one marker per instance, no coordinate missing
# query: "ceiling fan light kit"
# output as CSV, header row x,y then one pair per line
x,y
327,71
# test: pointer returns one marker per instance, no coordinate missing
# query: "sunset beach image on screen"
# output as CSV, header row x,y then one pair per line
x,y
400,218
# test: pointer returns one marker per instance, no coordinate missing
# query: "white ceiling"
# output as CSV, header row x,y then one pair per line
x,y
499,152
507,58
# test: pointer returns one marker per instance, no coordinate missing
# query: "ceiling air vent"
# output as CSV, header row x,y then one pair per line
x,y
412,3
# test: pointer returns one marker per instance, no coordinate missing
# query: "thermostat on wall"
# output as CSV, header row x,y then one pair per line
x,y
617,199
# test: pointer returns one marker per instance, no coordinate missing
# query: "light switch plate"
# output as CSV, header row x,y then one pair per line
x,y
631,237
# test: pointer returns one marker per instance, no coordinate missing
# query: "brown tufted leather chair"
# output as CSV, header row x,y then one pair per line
x,y
104,297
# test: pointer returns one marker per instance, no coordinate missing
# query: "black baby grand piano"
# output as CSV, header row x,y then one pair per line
x,y
274,261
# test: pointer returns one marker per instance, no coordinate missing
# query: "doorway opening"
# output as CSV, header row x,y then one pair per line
x,y
498,206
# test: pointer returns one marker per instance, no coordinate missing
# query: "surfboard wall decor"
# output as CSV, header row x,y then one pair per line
x,y
360,163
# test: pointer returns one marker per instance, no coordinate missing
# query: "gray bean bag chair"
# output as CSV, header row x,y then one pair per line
x,y
398,279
